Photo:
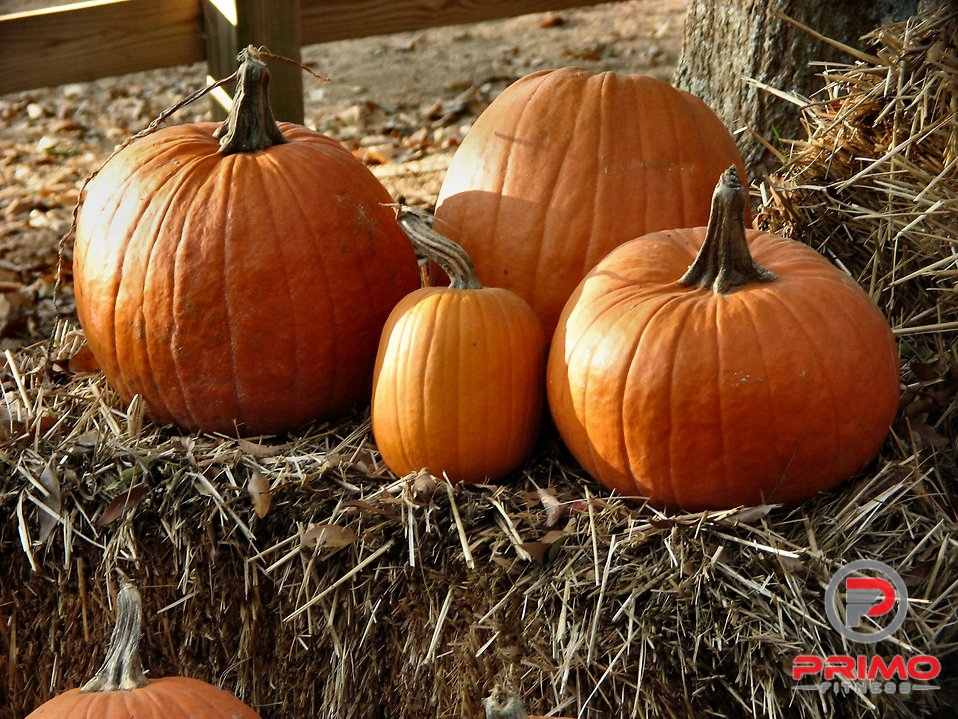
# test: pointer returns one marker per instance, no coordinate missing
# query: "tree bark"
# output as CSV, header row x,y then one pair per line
x,y
727,41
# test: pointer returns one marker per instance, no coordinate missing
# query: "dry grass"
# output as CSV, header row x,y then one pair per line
x,y
360,594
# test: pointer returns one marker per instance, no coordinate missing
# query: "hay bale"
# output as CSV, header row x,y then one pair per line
x,y
875,184
359,594
365,595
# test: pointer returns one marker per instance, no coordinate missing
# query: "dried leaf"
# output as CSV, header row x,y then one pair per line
x,y
259,451
258,488
317,536
82,361
120,504
51,500
422,486
545,551
555,510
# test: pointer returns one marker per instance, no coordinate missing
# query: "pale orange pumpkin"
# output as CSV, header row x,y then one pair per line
x,y
120,689
565,165
713,367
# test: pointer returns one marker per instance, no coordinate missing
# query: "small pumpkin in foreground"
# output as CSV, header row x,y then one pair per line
x,y
565,165
120,689
458,385
237,276
714,367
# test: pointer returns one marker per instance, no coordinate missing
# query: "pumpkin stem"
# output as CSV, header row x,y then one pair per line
x,y
504,704
122,669
250,126
724,262
431,245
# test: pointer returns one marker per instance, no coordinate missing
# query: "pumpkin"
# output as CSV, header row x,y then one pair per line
x,y
458,384
237,277
565,165
712,367
506,704
120,689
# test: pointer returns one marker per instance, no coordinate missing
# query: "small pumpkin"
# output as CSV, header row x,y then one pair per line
x,y
565,165
458,385
713,367
237,276
120,689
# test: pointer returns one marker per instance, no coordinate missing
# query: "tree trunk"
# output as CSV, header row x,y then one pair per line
x,y
727,41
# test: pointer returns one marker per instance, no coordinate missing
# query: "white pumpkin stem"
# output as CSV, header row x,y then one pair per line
x,y
122,669
250,126
724,262
504,704
430,244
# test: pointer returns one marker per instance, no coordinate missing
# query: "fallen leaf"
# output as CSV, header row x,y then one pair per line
x,y
422,486
83,361
555,510
51,500
118,506
317,536
258,488
255,449
547,548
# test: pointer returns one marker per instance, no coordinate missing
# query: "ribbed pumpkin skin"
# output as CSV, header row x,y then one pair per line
x,y
771,393
167,698
458,385
248,289
565,165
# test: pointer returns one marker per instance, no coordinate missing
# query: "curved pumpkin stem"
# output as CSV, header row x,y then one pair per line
x,y
724,262
122,669
431,245
504,704
250,126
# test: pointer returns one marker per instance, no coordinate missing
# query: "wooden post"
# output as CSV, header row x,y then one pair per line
x,y
231,25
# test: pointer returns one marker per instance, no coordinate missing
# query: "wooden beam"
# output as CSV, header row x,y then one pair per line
x,y
86,41
103,38
231,25
326,20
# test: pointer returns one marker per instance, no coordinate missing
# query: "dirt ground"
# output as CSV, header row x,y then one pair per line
x,y
401,102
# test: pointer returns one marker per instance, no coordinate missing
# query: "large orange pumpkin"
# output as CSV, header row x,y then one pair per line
x,y
120,689
761,373
565,165
458,385
240,282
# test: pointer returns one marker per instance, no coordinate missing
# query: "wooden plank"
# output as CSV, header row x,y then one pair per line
x,y
231,25
326,20
86,41
103,38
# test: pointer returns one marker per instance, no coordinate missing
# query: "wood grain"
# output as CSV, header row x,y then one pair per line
x,y
86,41
325,20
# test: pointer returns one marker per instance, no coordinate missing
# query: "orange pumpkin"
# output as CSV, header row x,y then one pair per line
x,y
458,385
238,284
120,689
761,373
565,165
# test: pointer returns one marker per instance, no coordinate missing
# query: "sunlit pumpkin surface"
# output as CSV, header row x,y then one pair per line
x,y
243,292
565,165
770,393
